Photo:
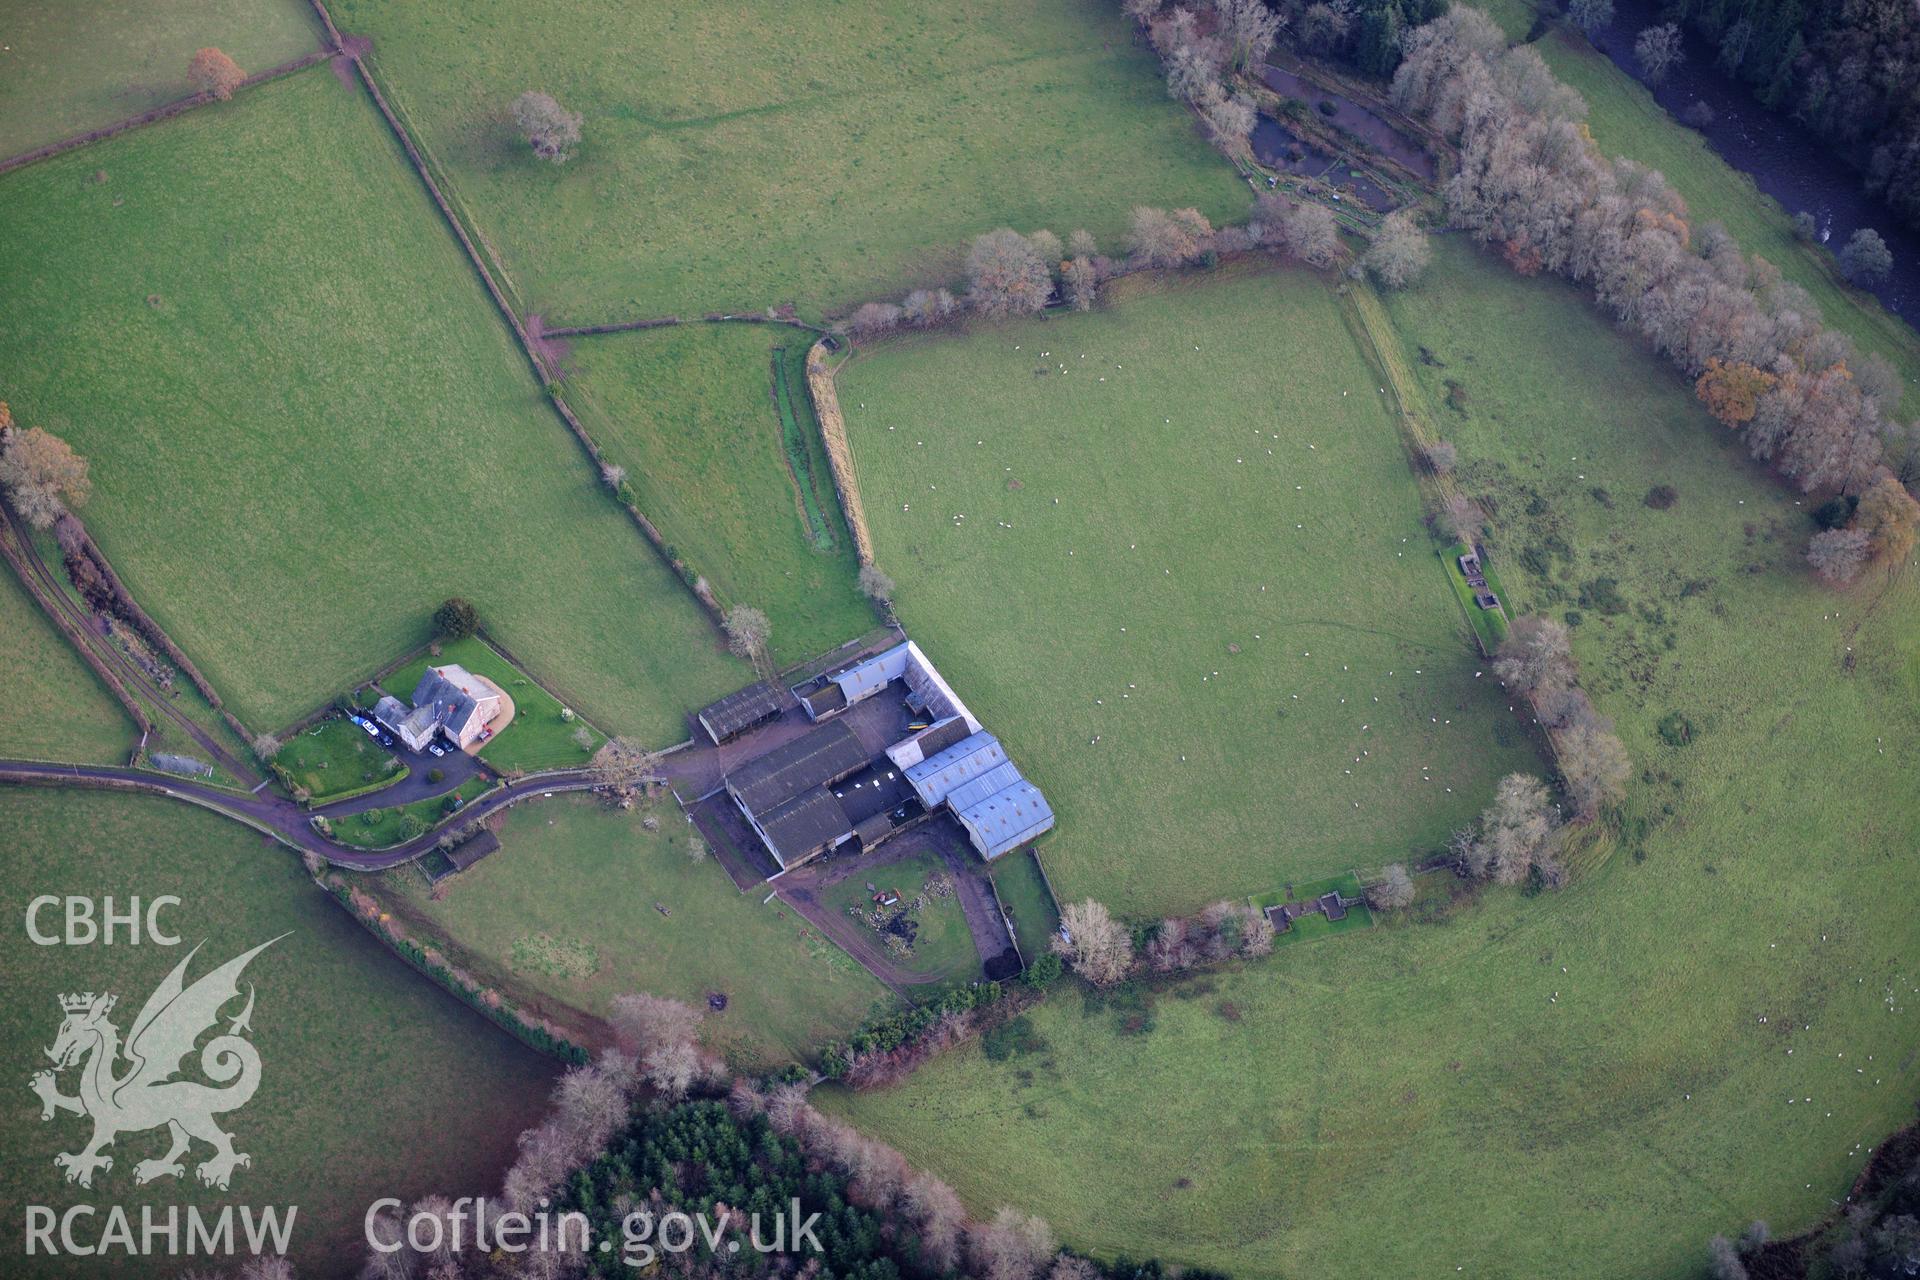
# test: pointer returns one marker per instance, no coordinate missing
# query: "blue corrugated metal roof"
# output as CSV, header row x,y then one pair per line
x,y
972,756
974,790
872,675
1008,818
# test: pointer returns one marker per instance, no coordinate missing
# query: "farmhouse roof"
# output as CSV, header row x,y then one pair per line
x,y
803,824
389,711
1008,818
740,711
966,759
449,694
823,755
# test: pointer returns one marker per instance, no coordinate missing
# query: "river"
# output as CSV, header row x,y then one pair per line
x,y
1785,160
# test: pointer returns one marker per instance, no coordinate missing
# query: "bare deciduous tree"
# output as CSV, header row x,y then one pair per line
x,y
1838,555
1514,831
1591,16
549,128
874,583
874,319
1080,282
1400,252
1536,656
1097,946
1312,235
266,746
613,475
43,476
1441,457
622,766
925,308
1169,239
1593,763
748,632
1395,890
1461,518
211,71
1658,51
1249,28
1005,276
1014,1246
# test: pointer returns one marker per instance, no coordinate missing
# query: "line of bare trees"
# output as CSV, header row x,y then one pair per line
x,y
1100,948
1201,48
657,1052
1532,183
1536,661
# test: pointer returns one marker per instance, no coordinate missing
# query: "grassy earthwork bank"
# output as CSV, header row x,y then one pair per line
x,y
1172,552
736,480
542,734
68,68
269,264
1625,120
815,153
1023,895
55,707
570,912
1716,1022
373,1083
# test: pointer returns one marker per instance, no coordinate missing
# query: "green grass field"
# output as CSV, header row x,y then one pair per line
x,y
314,429
1211,560
373,1081
55,707
1625,120
540,736
690,413
943,948
1505,1091
335,757
567,911
818,153
67,68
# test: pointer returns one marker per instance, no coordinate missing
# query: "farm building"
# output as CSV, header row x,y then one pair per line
x,y
785,793
449,700
738,712
855,777
927,690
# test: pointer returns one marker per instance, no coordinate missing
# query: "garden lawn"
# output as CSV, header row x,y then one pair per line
x,y
568,912
943,947
1191,591
1023,894
314,428
382,828
68,68
1625,120
1712,1025
374,1082
818,152
335,757
52,706
540,736
740,489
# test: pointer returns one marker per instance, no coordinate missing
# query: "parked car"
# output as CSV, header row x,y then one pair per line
x,y
386,739
435,748
374,731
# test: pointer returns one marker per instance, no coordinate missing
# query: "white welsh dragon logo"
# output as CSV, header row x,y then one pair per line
x,y
145,1095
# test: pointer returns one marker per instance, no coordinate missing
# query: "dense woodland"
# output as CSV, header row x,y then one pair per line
x,y
1848,69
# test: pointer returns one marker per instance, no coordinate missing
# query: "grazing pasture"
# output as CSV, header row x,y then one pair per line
x,y
568,911
373,1082
1627,121
1717,1022
740,491
55,707
68,68
1173,552
737,157
312,428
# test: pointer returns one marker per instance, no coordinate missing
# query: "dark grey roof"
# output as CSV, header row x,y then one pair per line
x,y
804,825
473,848
452,706
822,755
828,697
740,711
941,736
874,829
